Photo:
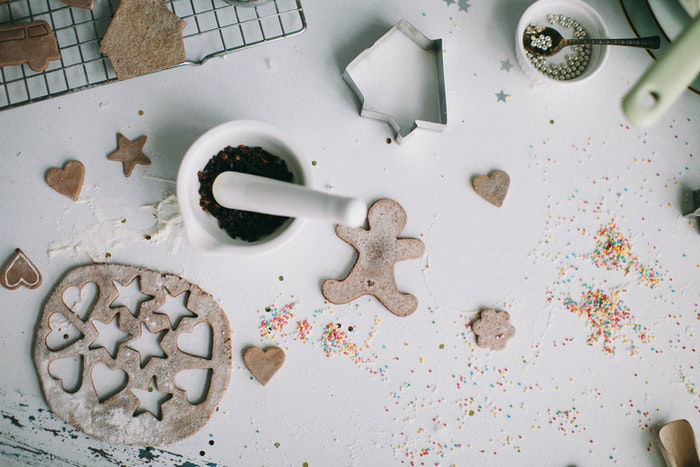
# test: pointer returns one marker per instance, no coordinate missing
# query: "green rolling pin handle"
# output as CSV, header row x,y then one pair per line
x,y
665,80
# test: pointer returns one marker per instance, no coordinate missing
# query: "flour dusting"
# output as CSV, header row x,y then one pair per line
x,y
99,239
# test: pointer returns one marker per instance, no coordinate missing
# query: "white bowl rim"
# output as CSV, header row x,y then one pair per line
x,y
199,238
580,3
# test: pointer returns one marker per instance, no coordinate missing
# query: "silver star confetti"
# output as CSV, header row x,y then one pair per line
x,y
501,96
462,5
506,65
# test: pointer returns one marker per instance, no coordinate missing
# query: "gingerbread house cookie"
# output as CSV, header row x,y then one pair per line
x,y
144,36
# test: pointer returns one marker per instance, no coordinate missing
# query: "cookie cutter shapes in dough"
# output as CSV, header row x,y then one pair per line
x,y
116,420
400,80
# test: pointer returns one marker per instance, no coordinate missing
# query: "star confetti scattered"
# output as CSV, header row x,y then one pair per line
x,y
129,153
501,96
463,5
506,65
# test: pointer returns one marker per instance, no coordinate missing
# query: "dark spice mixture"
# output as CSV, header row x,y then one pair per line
x,y
248,226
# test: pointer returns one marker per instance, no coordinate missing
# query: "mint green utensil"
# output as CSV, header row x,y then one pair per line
x,y
665,80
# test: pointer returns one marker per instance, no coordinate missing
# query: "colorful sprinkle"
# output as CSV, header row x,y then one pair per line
x,y
336,342
613,251
607,315
303,330
276,320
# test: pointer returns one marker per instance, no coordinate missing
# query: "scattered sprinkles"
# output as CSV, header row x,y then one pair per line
x,y
303,330
443,393
613,251
566,421
336,342
276,320
607,316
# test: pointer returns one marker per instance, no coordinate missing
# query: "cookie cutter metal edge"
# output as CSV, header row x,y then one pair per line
x,y
426,44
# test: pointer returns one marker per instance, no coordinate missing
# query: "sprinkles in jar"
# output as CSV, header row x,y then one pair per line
x,y
574,64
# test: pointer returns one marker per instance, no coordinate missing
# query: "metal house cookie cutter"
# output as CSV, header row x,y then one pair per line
x,y
422,90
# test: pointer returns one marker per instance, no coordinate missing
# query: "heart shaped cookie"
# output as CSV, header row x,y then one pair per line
x,y
68,181
18,271
492,188
263,364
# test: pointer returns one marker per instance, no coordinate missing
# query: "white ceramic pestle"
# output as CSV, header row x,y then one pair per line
x,y
235,190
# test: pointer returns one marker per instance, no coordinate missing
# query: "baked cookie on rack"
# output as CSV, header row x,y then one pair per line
x,y
33,43
84,4
144,36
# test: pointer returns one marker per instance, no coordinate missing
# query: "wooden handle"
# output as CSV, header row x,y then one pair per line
x,y
678,444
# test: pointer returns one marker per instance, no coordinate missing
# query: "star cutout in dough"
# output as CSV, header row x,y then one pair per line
x,y
501,96
506,65
148,344
151,400
109,335
130,153
130,296
175,307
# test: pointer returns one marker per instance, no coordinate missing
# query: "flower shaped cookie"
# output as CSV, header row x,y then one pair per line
x,y
493,329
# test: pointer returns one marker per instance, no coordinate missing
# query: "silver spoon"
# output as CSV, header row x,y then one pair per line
x,y
546,41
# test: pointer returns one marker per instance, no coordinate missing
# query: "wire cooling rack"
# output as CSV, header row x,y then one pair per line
x,y
214,28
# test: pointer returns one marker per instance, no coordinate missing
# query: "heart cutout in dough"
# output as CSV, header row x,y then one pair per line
x,y
67,181
63,333
20,271
197,342
108,382
493,188
81,300
69,371
263,364
195,382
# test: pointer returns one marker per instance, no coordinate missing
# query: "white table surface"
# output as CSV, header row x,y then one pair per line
x,y
549,398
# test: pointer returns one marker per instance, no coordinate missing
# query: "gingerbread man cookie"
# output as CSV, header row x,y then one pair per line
x,y
379,250
493,329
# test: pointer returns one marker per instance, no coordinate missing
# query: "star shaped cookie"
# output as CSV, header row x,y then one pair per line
x,y
130,153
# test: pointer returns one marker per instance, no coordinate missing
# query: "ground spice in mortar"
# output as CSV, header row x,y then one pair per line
x,y
248,226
